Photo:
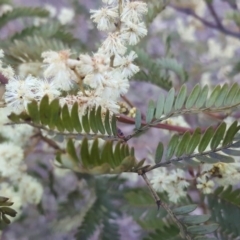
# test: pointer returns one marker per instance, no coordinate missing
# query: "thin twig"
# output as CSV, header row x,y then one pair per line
x,y
190,12
130,104
178,159
214,14
70,135
183,232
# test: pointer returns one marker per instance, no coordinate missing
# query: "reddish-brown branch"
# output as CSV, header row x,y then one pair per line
x,y
125,119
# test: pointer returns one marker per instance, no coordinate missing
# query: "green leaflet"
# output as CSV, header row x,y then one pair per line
x,y
202,229
75,118
202,97
184,209
33,112
72,151
206,138
169,101
93,121
229,136
55,116
159,153
172,146
195,219
231,94
160,106
211,100
181,97
138,119
218,135
44,110
193,142
66,119
193,97
221,96
182,145
150,111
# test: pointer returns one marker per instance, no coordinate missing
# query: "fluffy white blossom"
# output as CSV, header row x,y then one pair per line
x,y
17,94
66,15
5,8
125,64
58,67
105,18
113,45
133,32
173,182
98,63
42,87
11,159
133,11
6,71
7,190
30,189
205,184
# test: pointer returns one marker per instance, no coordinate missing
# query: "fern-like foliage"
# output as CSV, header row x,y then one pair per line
x,y
47,31
103,212
153,70
52,117
22,12
108,158
158,224
222,98
33,47
155,7
190,149
224,205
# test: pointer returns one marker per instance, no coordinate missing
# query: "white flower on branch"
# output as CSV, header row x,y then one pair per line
x,y
30,189
6,71
11,160
17,94
66,15
59,67
226,173
205,184
98,63
133,32
125,64
172,182
42,87
113,45
105,18
133,11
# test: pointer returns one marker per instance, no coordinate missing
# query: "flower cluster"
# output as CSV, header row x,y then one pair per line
x,y
223,174
100,78
172,182
16,184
